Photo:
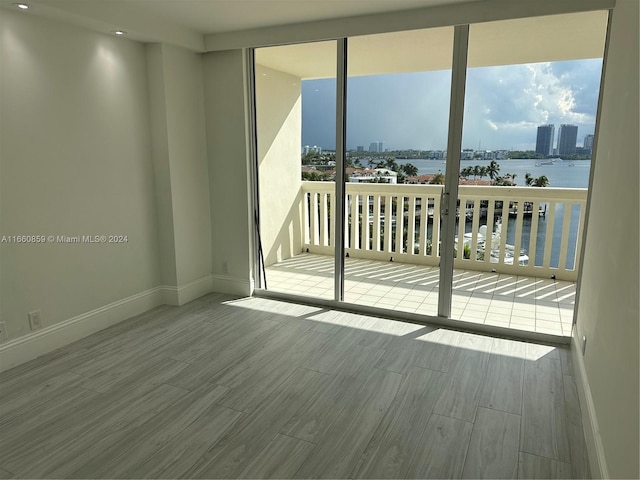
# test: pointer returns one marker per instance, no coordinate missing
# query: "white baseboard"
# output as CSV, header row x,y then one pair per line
x,y
595,449
36,344
232,285
187,291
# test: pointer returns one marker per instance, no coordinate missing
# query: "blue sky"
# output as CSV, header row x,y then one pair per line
x,y
503,106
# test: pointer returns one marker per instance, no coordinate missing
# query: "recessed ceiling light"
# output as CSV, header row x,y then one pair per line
x,y
119,33
22,6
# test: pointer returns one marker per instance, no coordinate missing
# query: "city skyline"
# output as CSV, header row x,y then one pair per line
x,y
504,106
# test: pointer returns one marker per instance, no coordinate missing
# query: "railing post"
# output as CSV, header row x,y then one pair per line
x,y
564,240
475,226
314,217
533,234
366,231
376,223
424,220
518,238
411,235
548,240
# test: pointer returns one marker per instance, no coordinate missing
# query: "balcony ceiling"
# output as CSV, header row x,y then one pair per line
x,y
507,42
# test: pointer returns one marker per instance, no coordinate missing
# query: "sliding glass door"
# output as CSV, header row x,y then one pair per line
x,y
529,122
398,93
295,92
410,171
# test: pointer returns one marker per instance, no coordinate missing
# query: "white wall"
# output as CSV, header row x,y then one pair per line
x,y
607,313
279,126
161,163
229,177
176,92
74,160
99,135
189,169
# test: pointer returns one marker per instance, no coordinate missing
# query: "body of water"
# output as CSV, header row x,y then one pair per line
x,y
563,173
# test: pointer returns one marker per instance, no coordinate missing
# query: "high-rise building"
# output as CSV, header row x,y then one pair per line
x,y
380,147
588,143
373,147
360,148
567,139
544,140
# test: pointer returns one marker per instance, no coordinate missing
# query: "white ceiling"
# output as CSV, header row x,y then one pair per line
x,y
186,22
217,16
194,23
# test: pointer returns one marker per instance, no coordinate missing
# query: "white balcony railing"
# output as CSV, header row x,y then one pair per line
x,y
538,234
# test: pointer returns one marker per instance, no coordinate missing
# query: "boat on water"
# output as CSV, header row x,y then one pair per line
x,y
546,162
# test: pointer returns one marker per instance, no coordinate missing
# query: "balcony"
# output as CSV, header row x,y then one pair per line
x,y
516,251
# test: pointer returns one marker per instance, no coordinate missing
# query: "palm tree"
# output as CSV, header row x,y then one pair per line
x,y
493,169
513,178
477,169
541,181
466,172
437,179
391,164
483,172
410,170
528,179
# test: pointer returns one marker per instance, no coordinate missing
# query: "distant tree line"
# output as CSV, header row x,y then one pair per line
x,y
492,170
525,154
507,180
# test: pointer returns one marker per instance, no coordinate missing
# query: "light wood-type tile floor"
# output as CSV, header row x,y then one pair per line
x,y
256,388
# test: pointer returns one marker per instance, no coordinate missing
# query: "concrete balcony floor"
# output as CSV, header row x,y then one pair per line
x,y
516,302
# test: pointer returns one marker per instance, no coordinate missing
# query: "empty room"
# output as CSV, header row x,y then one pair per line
x,y
310,239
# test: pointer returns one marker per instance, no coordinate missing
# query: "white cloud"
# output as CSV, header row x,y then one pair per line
x,y
553,94
503,106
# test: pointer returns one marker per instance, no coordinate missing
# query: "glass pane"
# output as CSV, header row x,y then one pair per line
x,y
398,95
530,109
295,109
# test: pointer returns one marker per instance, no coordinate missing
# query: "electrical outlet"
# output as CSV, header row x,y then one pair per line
x,y
3,331
34,320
